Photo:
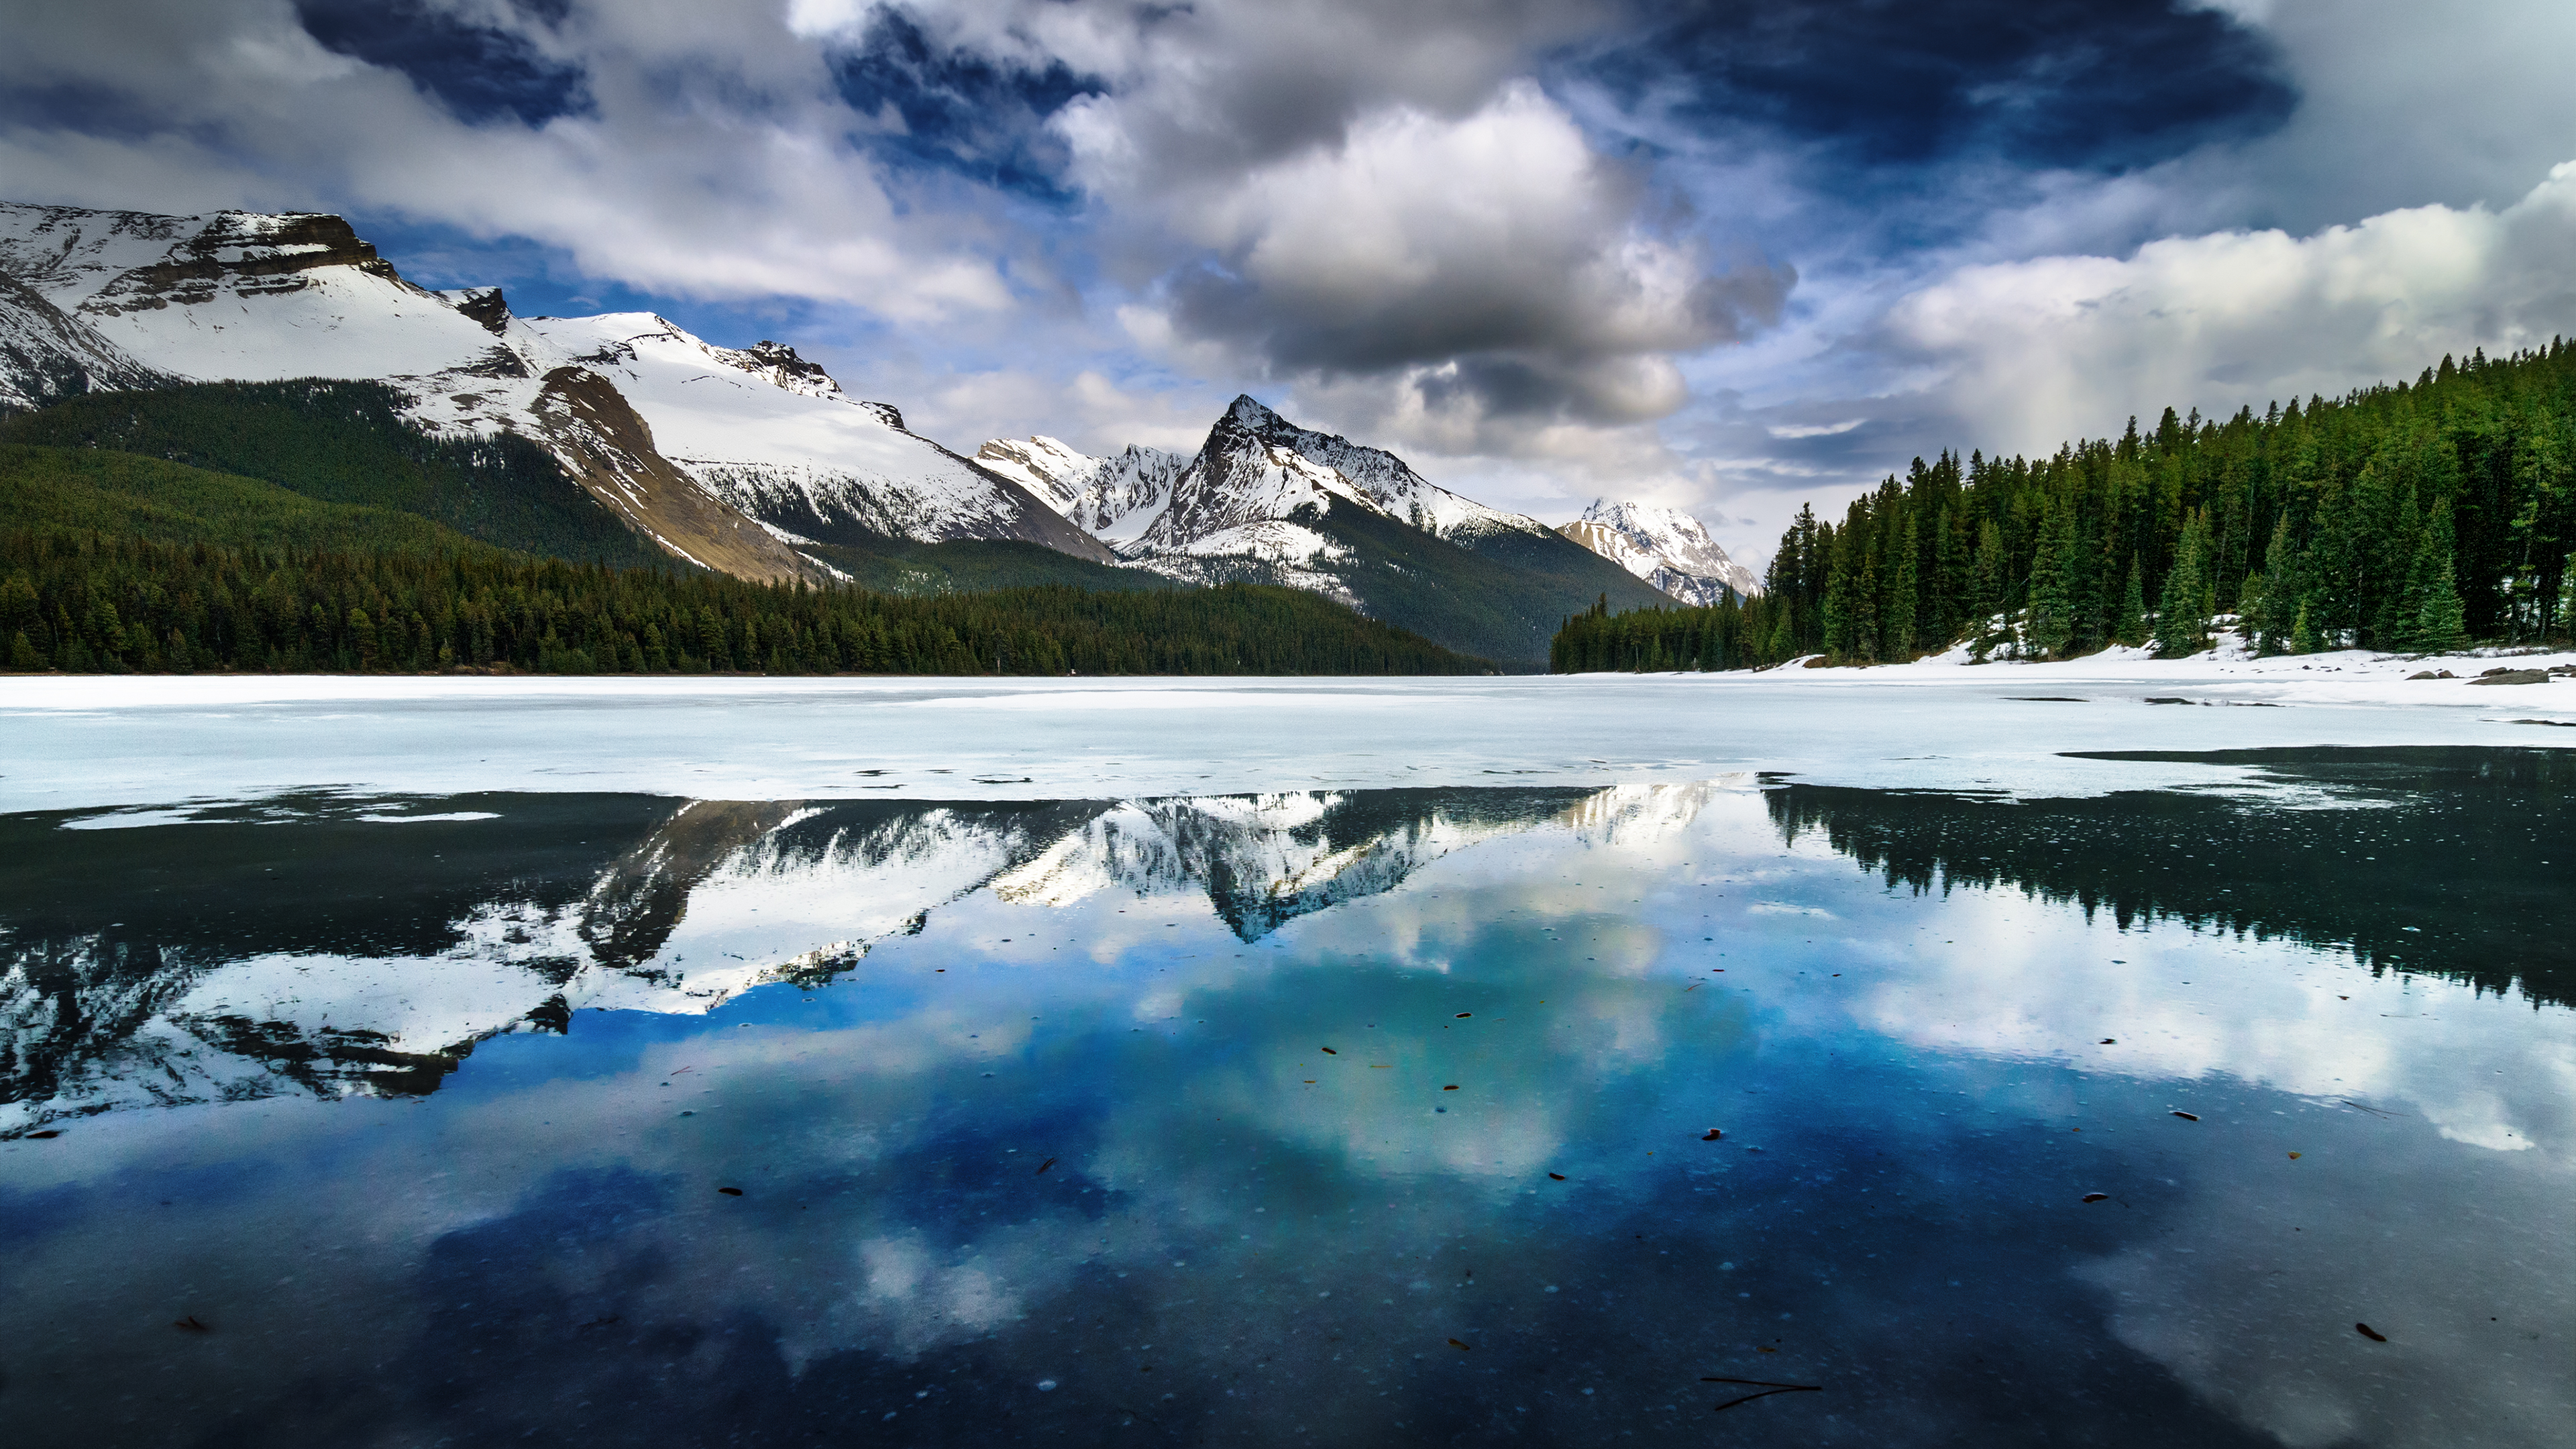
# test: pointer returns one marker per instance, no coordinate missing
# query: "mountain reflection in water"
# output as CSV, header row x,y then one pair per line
x,y
327,945
1378,1117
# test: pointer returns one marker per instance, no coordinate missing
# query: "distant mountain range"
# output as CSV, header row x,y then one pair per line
x,y
755,463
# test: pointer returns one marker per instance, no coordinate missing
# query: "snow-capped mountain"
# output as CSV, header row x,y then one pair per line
x,y
727,458
1113,499
774,436
1665,547
1266,501
328,989
1385,481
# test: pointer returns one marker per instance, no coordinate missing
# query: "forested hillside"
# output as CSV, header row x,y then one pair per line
x,y
2416,517
348,442
92,603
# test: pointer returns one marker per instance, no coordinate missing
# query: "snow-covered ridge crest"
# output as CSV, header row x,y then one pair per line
x,y
237,295
1390,484
1664,546
776,437
1115,499
715,449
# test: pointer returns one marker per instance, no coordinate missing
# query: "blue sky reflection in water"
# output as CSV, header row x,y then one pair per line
x,y
1037,1136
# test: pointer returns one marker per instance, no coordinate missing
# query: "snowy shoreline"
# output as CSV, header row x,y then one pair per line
x,y
82,743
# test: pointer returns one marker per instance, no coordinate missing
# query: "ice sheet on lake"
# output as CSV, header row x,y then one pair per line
x,y
84,743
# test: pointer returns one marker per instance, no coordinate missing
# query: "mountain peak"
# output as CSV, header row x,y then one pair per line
x,y
1666,547
1249,412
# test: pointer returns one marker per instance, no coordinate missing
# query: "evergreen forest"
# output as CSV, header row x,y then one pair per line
x,y
2417,517
117,562
92,603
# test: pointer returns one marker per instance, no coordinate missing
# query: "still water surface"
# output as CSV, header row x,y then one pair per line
x,y
1369,1117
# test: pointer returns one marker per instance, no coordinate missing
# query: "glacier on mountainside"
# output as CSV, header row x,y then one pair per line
x,y
1664,546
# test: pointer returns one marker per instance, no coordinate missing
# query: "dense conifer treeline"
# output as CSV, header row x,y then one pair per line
x,y
2416,517
86,602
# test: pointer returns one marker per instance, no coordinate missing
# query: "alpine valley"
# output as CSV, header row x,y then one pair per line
x,y
154,334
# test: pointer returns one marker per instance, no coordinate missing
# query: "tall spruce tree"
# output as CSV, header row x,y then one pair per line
x,y
2129,620
2441,624
1985,593
2182,619
2052,614
1902,597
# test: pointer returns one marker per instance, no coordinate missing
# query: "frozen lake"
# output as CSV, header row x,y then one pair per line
x,y
1292,1062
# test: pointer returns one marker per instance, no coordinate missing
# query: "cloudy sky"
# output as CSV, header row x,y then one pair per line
x,y
1725,255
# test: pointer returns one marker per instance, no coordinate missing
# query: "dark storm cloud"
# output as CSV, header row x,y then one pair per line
x,y
2095,84
478,69
973,114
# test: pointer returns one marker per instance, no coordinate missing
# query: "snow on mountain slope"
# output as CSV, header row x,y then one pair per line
x,y
1114,499
726,457
46,355
1388,482
1665,547
774,435
237,295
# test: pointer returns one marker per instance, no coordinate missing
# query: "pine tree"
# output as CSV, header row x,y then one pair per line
x,y
2129,622
2303,639
1839,588
2182,619
1901,600
2441,624
2268,621
1866,640
2052,608
1985,593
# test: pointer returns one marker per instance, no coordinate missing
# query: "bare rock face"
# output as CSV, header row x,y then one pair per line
x,y
487,306
46,355
609,451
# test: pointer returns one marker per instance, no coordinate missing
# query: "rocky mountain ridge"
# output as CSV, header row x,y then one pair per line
x,y
1664,546
754,461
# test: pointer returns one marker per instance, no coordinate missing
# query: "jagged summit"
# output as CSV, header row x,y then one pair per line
x,y
1267,501
1664,546
1114,499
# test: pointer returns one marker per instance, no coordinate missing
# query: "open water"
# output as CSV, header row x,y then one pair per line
x,y
1735,1110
